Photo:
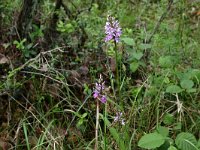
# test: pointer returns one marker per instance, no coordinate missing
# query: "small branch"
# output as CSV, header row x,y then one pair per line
x,y
147,52
160,20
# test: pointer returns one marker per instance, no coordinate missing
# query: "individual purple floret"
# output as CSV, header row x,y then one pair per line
x,y
99,90
103,99
118,118
112,29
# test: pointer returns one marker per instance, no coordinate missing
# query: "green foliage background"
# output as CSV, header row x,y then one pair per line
x,y
46,86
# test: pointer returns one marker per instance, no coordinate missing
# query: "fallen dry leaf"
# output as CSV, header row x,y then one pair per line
x,y
4,60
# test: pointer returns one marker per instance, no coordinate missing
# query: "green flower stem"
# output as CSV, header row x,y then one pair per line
x,y
118,75
97,126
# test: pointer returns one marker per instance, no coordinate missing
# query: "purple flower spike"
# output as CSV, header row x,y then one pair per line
x,y
99,91
112,30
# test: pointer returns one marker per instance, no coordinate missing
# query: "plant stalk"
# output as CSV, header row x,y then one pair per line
x,y
97,126
117,76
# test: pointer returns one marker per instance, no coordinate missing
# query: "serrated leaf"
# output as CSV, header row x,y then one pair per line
x,y
186,141
151,141
134,66
173,89
187,84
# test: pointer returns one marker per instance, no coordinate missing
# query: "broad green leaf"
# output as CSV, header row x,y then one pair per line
x,y
168,119
192,90
134,66
198,144
164,146
138,55
128,41
187,84
163,131
173,89
151,141
145,46
166,61
27,54
172,148
186,141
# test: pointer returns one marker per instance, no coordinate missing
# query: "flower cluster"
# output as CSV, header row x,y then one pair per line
x,y
112,29
99,90
119,118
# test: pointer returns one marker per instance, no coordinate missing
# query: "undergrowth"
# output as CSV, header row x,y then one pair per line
x,y
80,91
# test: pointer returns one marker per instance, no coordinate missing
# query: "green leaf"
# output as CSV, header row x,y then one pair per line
x,y
173,89
24,40
117,138
27,54
80,122
198,144
15,42
172,148
168,119
134,66
114,133
145,46
151,141
128,41
163,131
186,141
166,80
166,61
164,146
137,55
187,84
178,126
84,115
192,90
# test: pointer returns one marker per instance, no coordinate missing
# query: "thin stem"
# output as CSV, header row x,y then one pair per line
x,y
105,116
97,126
118,76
